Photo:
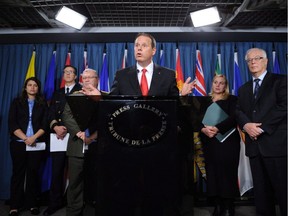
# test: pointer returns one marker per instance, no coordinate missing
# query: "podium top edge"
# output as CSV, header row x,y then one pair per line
x,y
131,97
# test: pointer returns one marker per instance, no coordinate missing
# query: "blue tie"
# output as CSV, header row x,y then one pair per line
x,y
257,86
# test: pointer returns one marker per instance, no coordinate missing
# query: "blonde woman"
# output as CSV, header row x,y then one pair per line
x,y
222,158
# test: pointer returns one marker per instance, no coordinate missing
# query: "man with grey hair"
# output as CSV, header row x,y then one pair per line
x,y
78,142
262,114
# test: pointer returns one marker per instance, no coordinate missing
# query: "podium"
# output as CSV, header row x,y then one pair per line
x,y
138,151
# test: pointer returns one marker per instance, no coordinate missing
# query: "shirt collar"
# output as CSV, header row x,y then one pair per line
x,y
149,67
70,87
261,77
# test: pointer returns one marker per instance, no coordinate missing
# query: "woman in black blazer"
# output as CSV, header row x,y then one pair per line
x,y
27,125
222,158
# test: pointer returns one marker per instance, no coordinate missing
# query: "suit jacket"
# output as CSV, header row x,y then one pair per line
x,y
270,109
19,117
75,145
58,103
163,82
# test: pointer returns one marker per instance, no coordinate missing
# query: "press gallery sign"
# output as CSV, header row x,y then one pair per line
x,y
137,124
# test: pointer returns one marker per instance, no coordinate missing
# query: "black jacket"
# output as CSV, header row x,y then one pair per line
x,y
19,117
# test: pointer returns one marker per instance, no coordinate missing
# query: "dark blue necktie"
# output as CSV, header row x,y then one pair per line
x,y
67,91
257,86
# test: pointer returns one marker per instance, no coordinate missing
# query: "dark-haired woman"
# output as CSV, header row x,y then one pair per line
x,y
222,158
27,125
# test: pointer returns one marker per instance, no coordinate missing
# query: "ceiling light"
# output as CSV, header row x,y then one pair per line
x,y
71,18
205,17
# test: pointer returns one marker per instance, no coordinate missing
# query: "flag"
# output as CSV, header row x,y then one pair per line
x,y
49,84
104,77
276,67
245,180
85,65
31,68
49,88
237,77
179,71
199,160
162,58
124,61
200,88
244,171
68,62
218,64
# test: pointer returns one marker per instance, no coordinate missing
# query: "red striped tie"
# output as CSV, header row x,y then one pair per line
x,y
144,83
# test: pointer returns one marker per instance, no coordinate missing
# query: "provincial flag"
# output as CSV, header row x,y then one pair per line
x,y
85,66
67,62
199,90
124,60
237,77
200,87
179,71
104,75
245,180
162,62
244,171
49,86
276,66
31,67
218,64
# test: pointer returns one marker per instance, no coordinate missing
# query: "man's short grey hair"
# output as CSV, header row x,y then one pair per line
x,y
90,69
264,54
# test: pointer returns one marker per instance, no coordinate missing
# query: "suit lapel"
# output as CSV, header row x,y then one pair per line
x,y
76,87
263,86
133,80
155,80
250,91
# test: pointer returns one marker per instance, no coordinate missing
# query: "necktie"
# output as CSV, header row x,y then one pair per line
x,y
144,83
256,88
67,91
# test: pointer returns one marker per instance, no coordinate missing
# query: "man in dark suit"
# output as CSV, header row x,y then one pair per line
x,y
147,79
161,81
79,141
262,114
56,125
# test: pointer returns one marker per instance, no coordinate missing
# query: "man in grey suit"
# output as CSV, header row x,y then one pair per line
x,y
262,115
78,142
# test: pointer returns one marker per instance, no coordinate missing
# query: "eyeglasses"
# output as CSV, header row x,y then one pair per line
x,y
256,59
68,72
88,77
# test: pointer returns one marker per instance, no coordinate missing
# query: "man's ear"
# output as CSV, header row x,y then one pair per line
x,y
154,51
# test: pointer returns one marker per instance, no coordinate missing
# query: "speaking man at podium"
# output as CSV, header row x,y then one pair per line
x,y
145,78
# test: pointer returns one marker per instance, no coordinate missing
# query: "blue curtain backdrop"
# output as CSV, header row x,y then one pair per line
x,y
15,58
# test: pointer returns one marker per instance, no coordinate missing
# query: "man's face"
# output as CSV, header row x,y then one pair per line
x,y
89,77
69,75
143,50
257,64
